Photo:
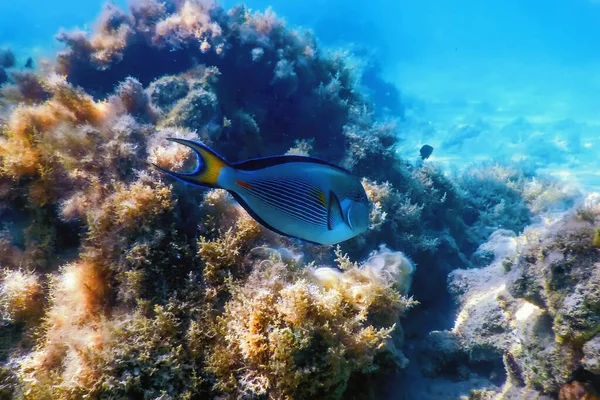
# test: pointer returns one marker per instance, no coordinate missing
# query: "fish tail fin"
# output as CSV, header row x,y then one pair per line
x,y
209,167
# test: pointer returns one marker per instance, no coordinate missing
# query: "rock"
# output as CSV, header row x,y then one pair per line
x,y
591,352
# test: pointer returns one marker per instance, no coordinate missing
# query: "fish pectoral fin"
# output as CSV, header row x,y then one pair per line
x,y
334,213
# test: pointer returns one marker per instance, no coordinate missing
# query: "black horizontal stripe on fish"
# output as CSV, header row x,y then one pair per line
x,y
353,192
299,185
297,206
292,187
277,204
290,206
299,197
312,202
261,221
300,189
298,182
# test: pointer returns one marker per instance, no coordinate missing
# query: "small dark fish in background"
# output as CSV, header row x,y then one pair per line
x,y
29,63
301,197
426,151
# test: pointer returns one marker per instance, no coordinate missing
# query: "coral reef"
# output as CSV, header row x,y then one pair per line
x,y
118,283
509,197
135,286
234,44
21,296
317,325
7,60
299,94
529,319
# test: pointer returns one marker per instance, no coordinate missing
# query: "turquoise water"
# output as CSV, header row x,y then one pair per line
x,y
477,64
512,82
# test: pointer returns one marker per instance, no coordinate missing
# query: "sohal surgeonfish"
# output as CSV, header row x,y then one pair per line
x,y
296,196
425,151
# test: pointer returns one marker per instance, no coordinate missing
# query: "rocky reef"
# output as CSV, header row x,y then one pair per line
x,y
528,320
116,282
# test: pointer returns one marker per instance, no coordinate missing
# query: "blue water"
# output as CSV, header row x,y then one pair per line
x,y
467,69
479,80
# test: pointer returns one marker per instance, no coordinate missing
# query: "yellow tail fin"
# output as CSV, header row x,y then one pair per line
x,y
209,165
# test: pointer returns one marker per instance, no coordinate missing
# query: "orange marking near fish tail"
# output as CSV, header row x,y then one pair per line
x,y
322,198
244,184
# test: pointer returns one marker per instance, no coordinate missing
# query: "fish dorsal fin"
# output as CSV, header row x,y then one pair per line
x,y
265,162
334,214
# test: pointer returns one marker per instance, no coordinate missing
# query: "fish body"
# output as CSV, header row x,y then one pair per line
x,y
426,151
301,197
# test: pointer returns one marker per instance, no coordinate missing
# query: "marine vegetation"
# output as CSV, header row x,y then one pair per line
x,y
531,315
117,282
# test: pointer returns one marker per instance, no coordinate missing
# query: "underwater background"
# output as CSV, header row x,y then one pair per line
x,y
460,66
479,277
